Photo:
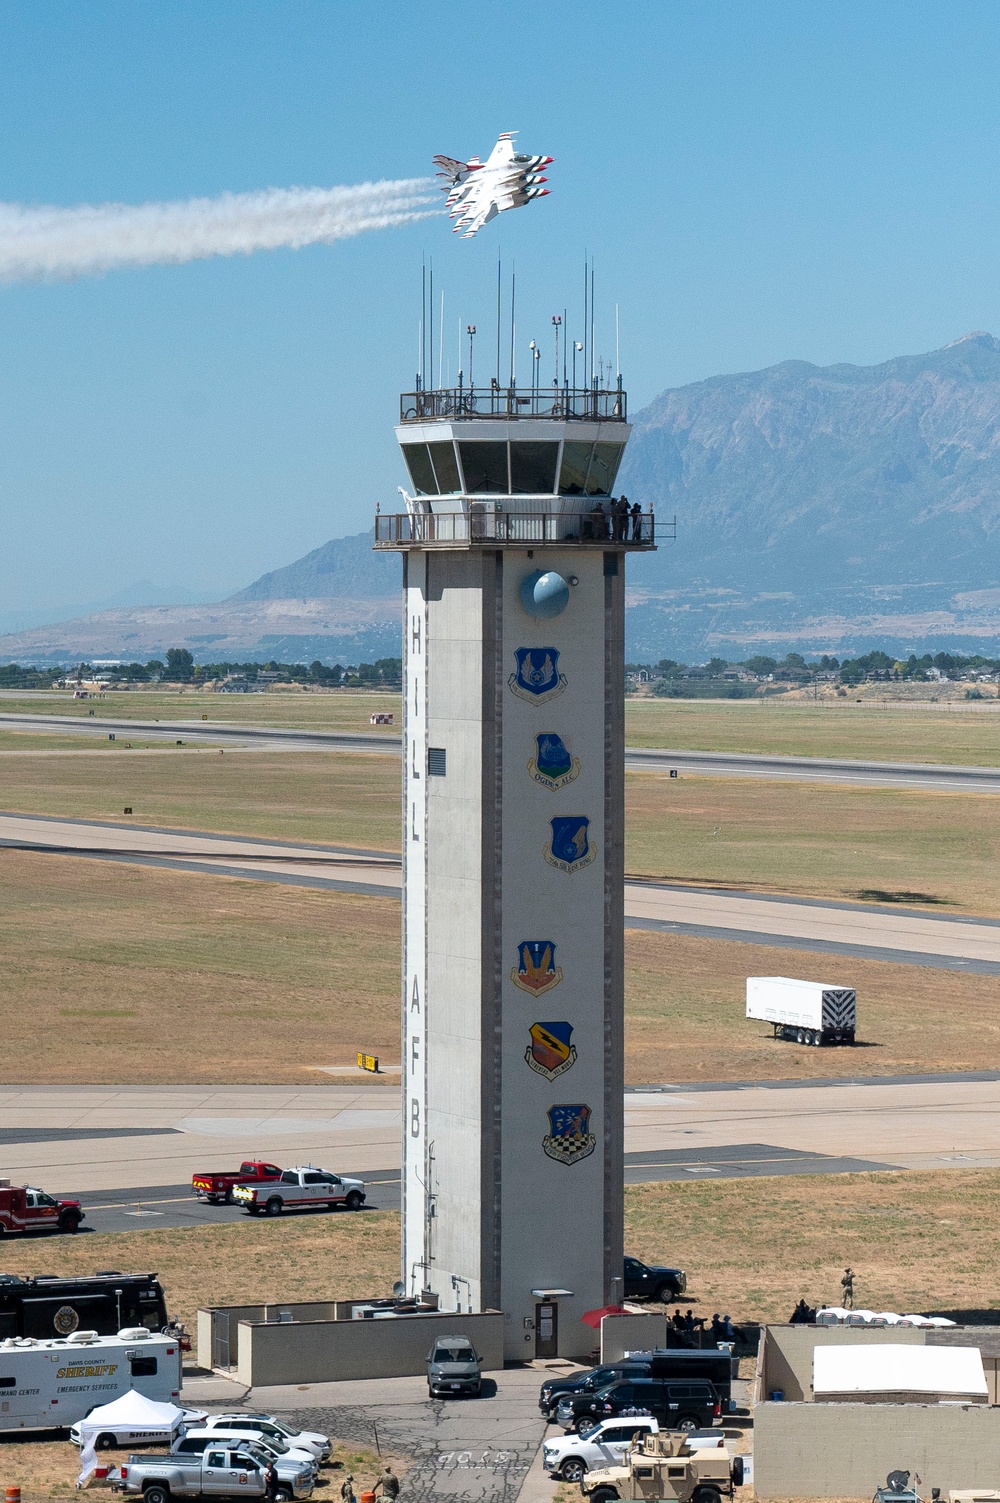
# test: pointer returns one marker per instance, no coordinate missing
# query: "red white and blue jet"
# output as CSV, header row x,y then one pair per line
x,y
479,191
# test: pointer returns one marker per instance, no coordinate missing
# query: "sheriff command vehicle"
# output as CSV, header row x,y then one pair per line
x,y
51,1384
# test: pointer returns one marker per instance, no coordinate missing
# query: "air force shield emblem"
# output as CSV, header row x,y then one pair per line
x,y
536,677
569,1137
552,765
570,848
550,1052
536,970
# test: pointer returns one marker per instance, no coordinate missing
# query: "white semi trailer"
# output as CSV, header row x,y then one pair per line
x,y
804,1012
51,1384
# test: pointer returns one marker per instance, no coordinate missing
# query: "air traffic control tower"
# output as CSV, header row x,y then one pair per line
x,y
513,788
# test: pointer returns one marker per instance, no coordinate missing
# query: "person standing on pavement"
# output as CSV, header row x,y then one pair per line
x,y
389,1483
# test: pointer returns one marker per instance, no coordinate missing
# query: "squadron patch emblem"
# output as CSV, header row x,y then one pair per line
x,y
570,848
536,970
552,765
569,1137
536,677
550,1052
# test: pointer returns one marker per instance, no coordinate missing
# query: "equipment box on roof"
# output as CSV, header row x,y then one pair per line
x,y
804,1012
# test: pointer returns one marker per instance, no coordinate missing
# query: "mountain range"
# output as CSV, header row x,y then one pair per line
x,y
830,508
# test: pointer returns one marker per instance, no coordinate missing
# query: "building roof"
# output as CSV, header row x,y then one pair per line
x,y
888,1367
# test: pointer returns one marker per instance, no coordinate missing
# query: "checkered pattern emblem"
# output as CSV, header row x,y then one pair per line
x,y
569,1137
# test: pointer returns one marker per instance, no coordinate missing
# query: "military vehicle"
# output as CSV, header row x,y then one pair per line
x,y
661,1467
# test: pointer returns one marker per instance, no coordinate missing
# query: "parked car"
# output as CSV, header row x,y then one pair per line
x,y
453,1366
604,1444
299,1189
284,1455
217,1185
678,1406
553,1389
272,1429
221,1470
650,1281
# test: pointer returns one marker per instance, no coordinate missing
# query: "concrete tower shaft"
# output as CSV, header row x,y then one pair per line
x,y
513,854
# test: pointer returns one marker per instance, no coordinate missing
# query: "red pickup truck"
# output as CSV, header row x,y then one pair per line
x,y
24,1208
216,1188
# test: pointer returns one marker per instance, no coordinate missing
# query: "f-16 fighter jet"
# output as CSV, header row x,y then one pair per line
x,y
479,191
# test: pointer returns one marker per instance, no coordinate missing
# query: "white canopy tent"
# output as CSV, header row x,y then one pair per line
x,y
145,1418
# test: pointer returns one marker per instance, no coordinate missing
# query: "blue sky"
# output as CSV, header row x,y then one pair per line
x,y
756,182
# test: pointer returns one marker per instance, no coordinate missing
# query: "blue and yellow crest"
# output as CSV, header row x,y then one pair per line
x,y
536,677
536,970
569,1137
552,765
550,1052
570,847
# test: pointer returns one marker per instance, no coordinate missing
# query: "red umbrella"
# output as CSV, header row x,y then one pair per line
x,y
594,1317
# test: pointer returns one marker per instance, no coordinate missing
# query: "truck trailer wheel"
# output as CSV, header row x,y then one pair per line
x,y
800,1036
273,1207
155,1492
603,1495
706,1495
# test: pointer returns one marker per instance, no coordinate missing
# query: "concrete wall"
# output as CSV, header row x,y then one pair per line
x,y
237,1314
847,1450
631,1333
330,1351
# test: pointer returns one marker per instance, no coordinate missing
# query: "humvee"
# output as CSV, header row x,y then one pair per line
x,y
661,1467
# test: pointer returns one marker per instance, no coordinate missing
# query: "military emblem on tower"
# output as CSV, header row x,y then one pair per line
x,y
570,848
550,1052
536,677
569,1137
552,765
536,970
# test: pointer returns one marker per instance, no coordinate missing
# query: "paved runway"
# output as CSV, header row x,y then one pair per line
x,y
919,775
154,1138
872,931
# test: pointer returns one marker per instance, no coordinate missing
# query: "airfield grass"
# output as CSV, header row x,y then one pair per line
x,y
107,967
891,729
806,839
917,1241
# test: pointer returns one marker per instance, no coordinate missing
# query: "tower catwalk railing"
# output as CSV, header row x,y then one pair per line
x,y
565,403
518,529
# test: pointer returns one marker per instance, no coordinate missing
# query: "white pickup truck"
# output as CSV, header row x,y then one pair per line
x,y
219,1472
301,1188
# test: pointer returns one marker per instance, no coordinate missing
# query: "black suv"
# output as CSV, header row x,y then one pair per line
x,y
644,1281
676,1405
554,1389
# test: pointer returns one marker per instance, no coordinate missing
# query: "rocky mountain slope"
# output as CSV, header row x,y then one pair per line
x,y
822,508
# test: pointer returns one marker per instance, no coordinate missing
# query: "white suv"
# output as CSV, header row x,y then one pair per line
x,y
271,1429
604,1444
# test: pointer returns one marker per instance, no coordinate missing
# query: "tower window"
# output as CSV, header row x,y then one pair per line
x,y
575,463
533,468
485,468
445,467
604,468
418,462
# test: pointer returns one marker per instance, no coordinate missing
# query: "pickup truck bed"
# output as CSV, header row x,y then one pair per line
x,y
216,1185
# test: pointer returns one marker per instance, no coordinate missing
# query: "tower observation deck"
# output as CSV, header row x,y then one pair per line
x,y
498,467
514,547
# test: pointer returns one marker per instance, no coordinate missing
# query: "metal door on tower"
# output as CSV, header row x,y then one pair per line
x,y
547,1329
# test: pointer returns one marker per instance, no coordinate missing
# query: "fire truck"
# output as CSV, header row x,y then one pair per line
x,y
25,1208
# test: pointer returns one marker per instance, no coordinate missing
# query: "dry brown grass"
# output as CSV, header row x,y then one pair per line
x,y
685,1001
815,839
104,963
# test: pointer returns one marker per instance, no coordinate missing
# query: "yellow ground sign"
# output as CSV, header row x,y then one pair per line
x,y
368,1062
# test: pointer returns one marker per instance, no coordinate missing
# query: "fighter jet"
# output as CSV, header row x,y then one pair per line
x,y
479,191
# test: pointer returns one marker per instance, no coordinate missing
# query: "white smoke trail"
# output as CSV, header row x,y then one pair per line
x,y
50,243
